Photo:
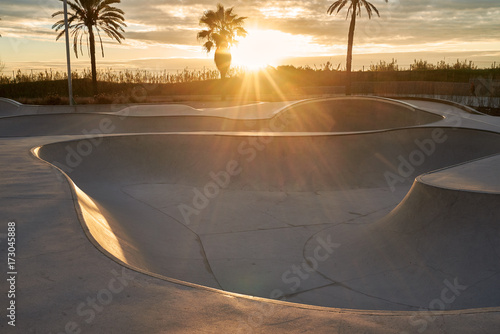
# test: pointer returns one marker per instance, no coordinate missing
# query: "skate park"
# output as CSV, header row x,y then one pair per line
x,y
347,215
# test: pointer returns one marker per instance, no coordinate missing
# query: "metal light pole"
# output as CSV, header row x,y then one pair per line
x,y
68,59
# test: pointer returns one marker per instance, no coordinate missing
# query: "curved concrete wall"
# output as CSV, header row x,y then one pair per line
x,y
298,163
353,114
435,250
326,115
129,189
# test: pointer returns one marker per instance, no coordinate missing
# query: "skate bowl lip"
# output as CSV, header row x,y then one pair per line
x,y
295,117
305,117
427,178
229,294
76,196
208,112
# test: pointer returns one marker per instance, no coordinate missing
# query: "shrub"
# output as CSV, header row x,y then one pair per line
x,y
53,99
103,99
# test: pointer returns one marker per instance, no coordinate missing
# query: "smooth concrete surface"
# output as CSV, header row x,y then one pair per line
x,y
328,115
464,177
321,219
248,110
176,210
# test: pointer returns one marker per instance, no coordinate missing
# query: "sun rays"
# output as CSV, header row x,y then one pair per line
x,y
265,47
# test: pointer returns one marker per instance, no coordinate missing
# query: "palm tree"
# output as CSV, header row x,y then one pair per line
x,y
353,10
223,28
2,65
87,18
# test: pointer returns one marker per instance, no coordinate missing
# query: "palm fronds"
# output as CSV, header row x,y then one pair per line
x,y
223,27
87,15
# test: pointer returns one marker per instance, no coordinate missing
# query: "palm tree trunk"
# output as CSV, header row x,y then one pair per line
x,y
350,43
93,59
222,59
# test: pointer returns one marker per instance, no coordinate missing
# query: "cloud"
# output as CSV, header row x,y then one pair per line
x,y
175,22
170,36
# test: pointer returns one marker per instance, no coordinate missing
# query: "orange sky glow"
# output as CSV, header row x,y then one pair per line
x,y
161,34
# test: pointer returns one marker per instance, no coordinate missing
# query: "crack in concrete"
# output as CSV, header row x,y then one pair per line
x,y
198,238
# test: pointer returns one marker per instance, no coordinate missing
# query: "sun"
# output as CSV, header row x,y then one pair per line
x,y
262,48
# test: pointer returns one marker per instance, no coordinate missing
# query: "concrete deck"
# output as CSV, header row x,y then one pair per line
x,y
351,225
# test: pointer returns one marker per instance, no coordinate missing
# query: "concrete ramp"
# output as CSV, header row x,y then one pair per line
x,y
439,249
9,107
354,114
322,115
293,217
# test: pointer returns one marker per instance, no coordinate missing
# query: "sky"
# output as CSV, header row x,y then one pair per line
x,y
161,34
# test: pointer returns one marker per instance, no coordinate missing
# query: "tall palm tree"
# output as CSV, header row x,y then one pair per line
x,y
223,28
87,18
2,65
354,10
